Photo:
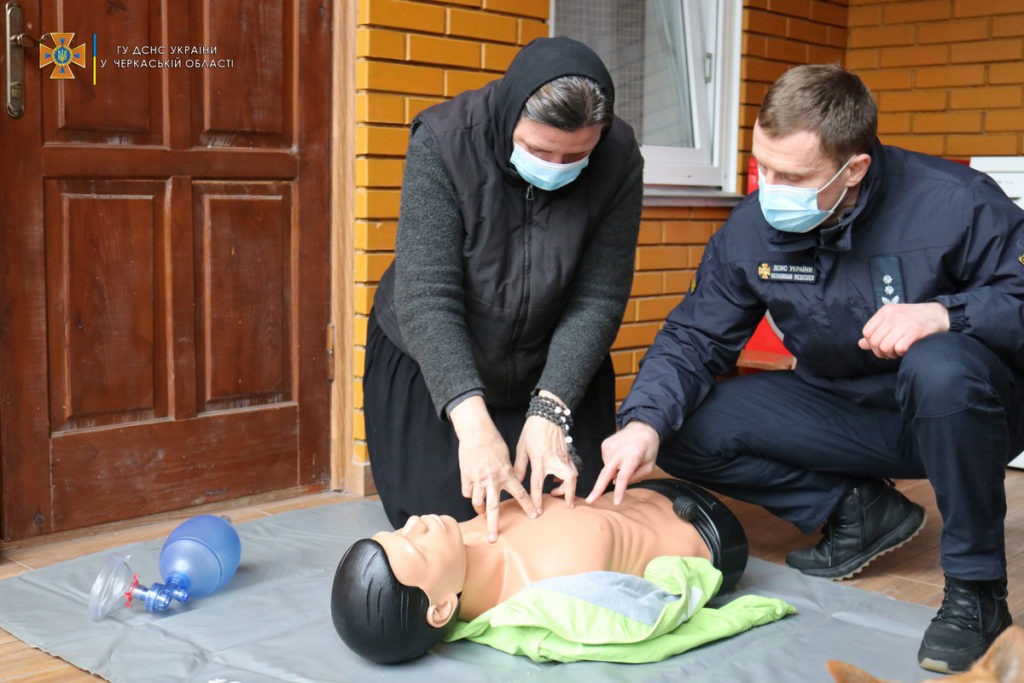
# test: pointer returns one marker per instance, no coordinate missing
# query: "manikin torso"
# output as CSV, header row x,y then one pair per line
x,y
595,537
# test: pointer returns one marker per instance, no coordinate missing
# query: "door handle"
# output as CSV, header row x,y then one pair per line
x,y
14,40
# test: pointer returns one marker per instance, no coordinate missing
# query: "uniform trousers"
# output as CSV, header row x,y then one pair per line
x,y
415,454
772,439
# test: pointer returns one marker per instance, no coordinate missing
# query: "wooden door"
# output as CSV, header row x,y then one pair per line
x,y
164,261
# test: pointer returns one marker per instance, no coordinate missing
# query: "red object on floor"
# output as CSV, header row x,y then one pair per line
x,y
765,339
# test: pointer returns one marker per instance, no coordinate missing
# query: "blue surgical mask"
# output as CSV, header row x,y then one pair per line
x,y
795,209
546,175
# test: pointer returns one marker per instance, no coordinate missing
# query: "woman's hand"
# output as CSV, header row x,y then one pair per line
x,y
484,463
542,445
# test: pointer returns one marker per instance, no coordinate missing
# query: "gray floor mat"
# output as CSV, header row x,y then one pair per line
x,y
272,622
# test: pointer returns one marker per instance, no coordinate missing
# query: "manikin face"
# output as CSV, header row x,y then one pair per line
x,y
797,160
553,144
428,553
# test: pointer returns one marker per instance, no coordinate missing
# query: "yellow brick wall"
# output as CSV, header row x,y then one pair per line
x,y
948,75
410,55
777,35
671,244
413,54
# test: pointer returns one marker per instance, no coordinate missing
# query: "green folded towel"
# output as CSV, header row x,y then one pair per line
x,y
615,617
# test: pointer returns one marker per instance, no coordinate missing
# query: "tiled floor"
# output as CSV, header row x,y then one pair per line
x,y
909,573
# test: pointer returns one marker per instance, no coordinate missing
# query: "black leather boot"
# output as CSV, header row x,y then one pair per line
x,y
871,519
973,613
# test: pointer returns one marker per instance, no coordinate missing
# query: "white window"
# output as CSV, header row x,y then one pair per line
x,y
675,64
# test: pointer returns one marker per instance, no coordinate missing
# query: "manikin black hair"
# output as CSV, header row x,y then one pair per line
x,y
379,617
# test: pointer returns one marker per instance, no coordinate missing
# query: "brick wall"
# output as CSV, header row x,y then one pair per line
x,y
777,35
410,55
948,75
413,54
671,244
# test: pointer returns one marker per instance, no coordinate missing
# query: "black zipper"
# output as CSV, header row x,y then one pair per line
x,y
524,302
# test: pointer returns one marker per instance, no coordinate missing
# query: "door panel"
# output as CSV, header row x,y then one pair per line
x,y
104,475
121,110
106,312
244,240
253,110
162,249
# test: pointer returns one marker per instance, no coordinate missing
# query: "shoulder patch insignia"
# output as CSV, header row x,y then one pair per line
x,y
1021,259
887,280
787,272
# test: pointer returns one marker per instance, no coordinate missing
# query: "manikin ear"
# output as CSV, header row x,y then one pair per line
x,y
439,613
858,168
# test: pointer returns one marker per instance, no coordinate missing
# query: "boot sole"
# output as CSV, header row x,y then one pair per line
x,y
895,537
957,662
939,666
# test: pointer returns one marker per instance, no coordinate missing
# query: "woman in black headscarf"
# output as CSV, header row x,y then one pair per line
x,y
514,260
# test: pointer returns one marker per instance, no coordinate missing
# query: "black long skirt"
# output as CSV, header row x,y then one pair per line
x,y
414,454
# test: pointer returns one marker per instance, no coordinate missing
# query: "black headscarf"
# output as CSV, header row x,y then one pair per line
x,y
541,61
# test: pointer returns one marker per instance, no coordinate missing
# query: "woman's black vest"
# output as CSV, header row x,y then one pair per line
x,y
521,246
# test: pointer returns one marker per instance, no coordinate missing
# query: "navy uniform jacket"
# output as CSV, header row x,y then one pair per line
x,y
923,229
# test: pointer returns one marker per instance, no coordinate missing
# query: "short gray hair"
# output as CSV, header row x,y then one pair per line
x,y
569,103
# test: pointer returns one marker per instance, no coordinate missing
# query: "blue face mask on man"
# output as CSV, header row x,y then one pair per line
x,y
546,175
795,209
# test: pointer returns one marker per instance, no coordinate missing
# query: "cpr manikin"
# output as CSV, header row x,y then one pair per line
x,y
396,594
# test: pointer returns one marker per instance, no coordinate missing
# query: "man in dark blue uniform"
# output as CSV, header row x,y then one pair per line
x,y
897,280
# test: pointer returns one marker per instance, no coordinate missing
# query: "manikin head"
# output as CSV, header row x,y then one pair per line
x,y
396,594
814,130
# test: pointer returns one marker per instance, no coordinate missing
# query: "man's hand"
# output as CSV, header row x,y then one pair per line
x,y
484,463
542,445
894,328
628,454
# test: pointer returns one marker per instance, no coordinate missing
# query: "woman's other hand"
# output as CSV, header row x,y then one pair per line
x,y
542,445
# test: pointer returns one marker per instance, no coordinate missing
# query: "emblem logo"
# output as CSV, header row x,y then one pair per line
x,y
62,55
787,272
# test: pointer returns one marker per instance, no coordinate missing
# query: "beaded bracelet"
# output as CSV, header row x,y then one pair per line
x,y
552,411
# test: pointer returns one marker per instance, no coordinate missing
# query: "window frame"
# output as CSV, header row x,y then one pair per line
x,y
708,170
